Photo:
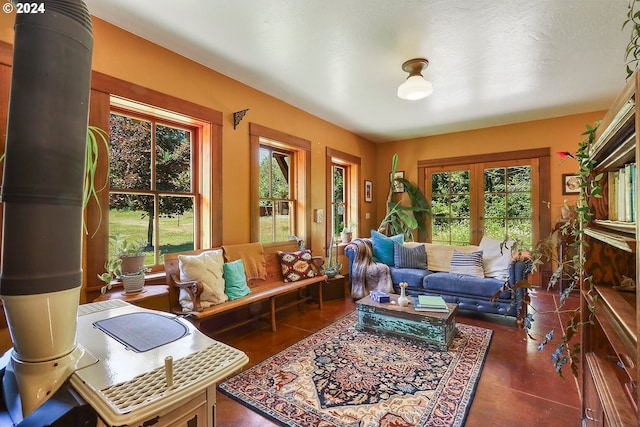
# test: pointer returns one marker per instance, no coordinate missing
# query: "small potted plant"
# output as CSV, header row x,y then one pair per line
x,y
127,264
347,233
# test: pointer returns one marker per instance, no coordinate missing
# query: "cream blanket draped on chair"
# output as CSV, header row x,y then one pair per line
x,y
367,275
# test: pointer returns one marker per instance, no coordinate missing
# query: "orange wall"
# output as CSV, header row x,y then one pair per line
x,y
128,57
560,134
123,55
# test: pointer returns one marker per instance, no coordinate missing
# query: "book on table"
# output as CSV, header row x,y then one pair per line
x,y
431,303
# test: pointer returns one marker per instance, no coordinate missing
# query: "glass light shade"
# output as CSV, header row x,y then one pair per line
x,y
415,88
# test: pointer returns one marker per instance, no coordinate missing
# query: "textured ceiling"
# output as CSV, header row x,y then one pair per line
x,y
492,62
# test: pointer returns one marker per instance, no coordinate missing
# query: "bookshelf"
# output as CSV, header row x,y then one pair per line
x,y
609,343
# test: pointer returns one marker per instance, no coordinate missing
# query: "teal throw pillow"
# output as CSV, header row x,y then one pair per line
x,y
235,280
383,247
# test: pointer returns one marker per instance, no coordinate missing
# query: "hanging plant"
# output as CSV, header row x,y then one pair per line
x,y
569,351
632,52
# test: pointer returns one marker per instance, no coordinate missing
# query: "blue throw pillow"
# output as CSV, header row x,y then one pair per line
x,y
235,280
407,257
383,247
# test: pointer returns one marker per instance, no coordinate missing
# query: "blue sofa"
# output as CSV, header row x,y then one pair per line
x,y
469,292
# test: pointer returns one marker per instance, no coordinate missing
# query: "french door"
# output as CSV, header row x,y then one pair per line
x,y
498,199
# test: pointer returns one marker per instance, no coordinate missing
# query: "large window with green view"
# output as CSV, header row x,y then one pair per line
x,y
277,213
153,191
493,199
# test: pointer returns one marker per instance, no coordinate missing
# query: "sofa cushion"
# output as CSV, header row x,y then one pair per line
x,y
496,257
296,265
469,264
413,276
439,256
409,257
383,247
463,285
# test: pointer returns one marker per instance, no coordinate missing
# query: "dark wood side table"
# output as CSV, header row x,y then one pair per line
x,y
155,297
332,289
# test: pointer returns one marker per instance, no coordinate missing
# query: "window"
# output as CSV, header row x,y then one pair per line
x,y
153,182
280,175
170,122
342,192
277,207
339,202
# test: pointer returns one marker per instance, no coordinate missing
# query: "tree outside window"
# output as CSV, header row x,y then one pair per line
x,y
277,217
152,190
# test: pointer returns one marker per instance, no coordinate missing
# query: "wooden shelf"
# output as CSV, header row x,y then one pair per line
x,y
621,241
610,354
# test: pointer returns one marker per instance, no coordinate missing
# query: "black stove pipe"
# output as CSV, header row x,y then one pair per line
x,y
45,153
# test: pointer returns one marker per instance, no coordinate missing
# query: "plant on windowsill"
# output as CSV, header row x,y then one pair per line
x,y
347,233
126,263
398,219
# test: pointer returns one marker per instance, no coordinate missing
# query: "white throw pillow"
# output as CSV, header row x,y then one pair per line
x,y
496,260
208,269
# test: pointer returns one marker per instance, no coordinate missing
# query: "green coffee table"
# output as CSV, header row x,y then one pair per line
x,y
390,318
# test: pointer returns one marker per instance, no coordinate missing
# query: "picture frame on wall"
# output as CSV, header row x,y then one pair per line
x,y
398,187
570,184
368,191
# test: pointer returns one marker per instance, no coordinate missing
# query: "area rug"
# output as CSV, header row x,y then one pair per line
x,y
341,376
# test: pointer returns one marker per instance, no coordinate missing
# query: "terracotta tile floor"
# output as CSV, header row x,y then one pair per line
x,y
518,386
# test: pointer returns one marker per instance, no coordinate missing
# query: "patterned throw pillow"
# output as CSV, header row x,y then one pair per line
x,y
469,264
409,257
296,265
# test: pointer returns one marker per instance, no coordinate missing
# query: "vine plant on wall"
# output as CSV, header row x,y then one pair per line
x,y
571,269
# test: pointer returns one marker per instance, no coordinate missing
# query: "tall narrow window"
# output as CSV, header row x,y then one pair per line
x,y
343,171
277,206
280,176
153,193
339,203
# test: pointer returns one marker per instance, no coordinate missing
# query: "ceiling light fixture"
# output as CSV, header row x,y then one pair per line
x,y
415,87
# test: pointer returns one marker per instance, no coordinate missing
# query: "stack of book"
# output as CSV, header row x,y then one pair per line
x,y
431,303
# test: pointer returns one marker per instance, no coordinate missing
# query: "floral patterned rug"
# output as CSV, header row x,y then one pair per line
x,y
341,376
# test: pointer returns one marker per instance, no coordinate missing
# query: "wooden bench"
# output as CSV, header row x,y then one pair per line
x,y
261,290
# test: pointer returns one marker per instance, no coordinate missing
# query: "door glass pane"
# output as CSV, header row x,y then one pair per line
x,y
507,203
451,203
